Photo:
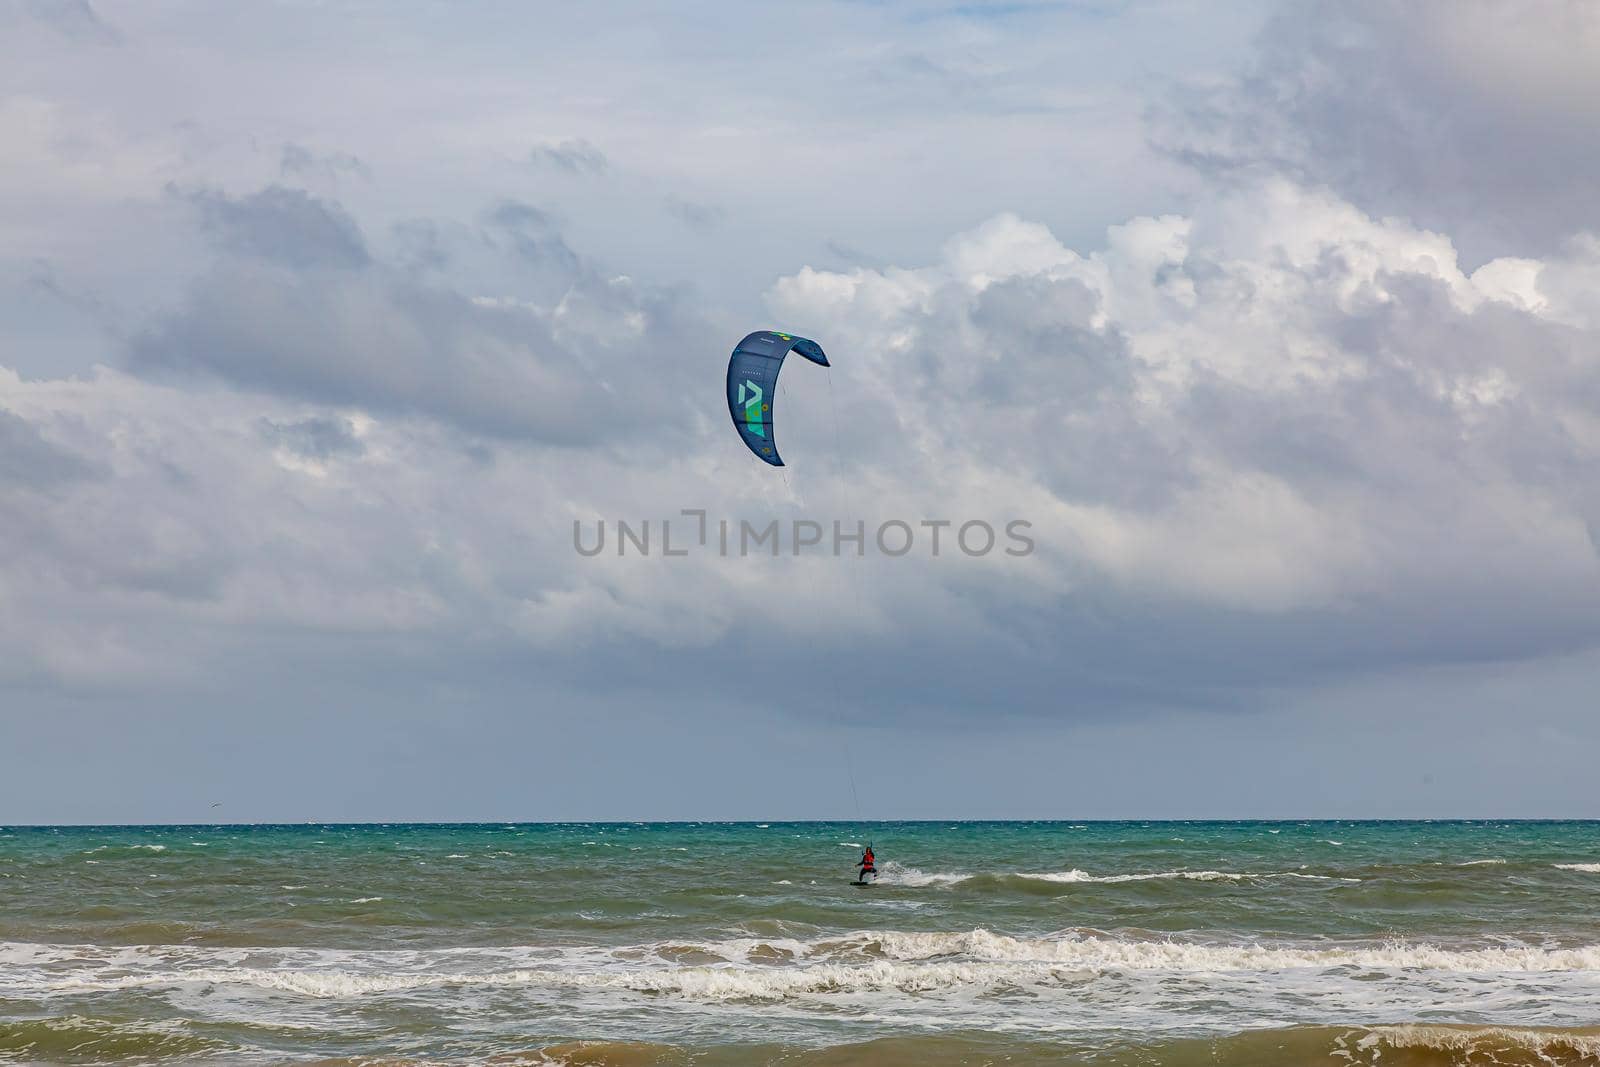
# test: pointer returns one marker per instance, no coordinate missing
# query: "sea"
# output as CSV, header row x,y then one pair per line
x,y
710,944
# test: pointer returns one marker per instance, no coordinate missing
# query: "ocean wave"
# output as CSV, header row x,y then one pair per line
x,y
1172,955
905,971
1196,876
893,873
1587,868
123,848
1084,876
697,982
1480,1044
749,967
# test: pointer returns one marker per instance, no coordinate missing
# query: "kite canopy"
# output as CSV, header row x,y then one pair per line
x,y
753,384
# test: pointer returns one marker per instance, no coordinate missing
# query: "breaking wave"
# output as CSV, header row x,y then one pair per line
x,y
892,873
751,968
1194,876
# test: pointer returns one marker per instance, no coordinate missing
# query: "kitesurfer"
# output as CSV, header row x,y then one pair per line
x,y
868,864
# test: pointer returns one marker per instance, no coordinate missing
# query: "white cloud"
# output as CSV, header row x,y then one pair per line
x,y
1276,408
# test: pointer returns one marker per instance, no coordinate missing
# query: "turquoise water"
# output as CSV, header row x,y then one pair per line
x,y
1046,940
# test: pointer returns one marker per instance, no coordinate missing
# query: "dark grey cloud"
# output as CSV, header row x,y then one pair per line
x,y
300,161
382,343
44,280
534,235
422,245
1474,118
700,217
304,312
318,437
75,20
28,460
849,254
573,157
281,225
82,527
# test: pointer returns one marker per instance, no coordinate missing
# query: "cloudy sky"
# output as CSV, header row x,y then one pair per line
x,y
323,324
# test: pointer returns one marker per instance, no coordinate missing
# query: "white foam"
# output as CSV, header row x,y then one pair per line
x,y
1311,877
695,983
913,963
1587,868
893,873
1077,980
1084,876
332,972
1548,1046
1076,875
128,848
1073,875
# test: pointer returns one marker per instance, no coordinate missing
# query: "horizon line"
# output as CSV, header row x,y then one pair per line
x,y
757,823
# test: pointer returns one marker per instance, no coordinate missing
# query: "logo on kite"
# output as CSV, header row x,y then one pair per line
x,y
759,357
752,407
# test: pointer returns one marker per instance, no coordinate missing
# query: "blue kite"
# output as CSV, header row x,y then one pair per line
x,y
753,383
